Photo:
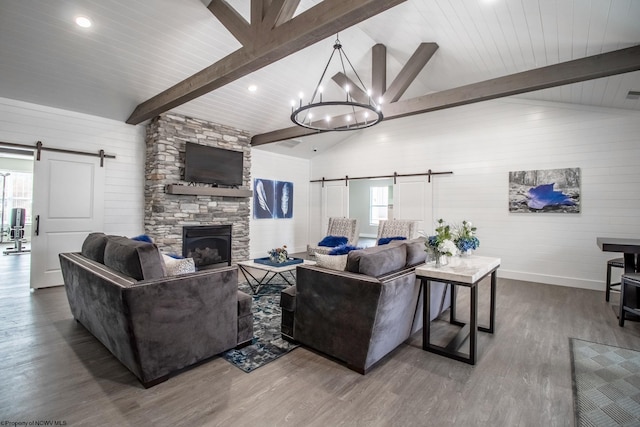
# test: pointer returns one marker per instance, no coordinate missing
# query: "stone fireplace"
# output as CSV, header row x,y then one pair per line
x,y
167,212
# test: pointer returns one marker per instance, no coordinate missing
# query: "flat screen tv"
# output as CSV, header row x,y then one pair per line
x,y
213,165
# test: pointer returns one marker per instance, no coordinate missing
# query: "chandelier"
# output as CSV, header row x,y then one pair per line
x,y
356,111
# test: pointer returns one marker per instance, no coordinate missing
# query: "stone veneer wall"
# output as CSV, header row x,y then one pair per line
x,y
166,214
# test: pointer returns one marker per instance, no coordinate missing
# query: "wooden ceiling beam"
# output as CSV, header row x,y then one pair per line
x,y
410,71
313,25
378,70
356,93
592,67
578,70
280,11
232,21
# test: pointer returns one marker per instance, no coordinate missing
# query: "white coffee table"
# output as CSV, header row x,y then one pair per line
x,y
270,272
460,271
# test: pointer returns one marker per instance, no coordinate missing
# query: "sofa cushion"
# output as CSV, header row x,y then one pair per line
x,y
138,260
333,262
93,247
416,251
378,260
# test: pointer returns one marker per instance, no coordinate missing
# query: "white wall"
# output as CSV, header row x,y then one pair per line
x,y
267,234
25,123
481,143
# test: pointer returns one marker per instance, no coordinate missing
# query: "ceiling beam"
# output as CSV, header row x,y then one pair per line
x,y
356,93
379,69
313,25
578,70
592,67
410,71
232,21
279,12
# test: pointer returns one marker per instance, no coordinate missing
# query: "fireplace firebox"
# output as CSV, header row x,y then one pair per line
x,y
207,244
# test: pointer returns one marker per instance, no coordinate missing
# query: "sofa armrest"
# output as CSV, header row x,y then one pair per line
x,y
177,321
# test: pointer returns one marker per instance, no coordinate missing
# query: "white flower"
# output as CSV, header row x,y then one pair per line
x,y
448,247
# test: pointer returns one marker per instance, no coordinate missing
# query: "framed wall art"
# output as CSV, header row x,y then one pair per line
x,y
272,199
547,190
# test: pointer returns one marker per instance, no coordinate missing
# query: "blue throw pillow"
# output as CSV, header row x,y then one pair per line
x,y
143,238
385,240
333,241
343,249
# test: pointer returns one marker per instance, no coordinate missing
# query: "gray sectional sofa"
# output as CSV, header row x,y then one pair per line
x,y
154,324
361,314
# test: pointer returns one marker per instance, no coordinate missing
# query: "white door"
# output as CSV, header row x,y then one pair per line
x,y
68,204
335,202
412,199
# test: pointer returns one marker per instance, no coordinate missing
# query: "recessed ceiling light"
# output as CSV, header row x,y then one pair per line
x,y
252,88
83,21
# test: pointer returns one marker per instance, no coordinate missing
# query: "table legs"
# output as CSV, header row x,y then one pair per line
x,y
469,331
255,284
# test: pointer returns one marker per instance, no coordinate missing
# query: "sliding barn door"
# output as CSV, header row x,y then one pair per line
x,y
412,199
68,199
335,202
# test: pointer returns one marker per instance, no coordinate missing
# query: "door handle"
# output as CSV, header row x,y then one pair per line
x,y
37,232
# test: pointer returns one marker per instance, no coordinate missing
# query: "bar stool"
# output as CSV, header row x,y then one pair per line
x,y
629,296
616,262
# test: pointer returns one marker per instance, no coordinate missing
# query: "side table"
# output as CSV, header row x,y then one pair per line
x,y
467,272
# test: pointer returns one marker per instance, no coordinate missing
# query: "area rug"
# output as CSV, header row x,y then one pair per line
x,y
267,344
606,384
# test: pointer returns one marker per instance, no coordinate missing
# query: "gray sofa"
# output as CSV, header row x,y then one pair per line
x,y
153,323
363,313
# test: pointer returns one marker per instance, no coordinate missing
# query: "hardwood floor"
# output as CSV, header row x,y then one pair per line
x,y
53,369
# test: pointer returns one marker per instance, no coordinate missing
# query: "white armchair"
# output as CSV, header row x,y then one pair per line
x,y
345,227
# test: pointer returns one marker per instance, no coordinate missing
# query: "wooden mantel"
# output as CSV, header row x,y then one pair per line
x,y
190,190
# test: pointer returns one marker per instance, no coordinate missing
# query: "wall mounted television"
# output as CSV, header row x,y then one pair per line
x,y
213,165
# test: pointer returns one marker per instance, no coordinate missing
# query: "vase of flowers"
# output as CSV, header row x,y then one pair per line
x,y
441,244
279,255
465,238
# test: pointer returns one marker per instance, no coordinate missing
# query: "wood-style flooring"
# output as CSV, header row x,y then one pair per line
x,y
53,369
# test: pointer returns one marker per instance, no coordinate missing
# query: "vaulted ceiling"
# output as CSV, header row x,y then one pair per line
x,y
138,49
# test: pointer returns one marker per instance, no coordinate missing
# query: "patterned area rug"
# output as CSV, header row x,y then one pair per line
x,y
606,384
267,344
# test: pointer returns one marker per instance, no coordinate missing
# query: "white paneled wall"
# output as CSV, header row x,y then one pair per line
x,y
267,234
25,123
481,143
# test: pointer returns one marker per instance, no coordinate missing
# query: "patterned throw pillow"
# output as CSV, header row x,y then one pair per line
x,y
175,266
332,262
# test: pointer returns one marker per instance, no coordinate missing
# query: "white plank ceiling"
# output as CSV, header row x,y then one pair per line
x,y
137,49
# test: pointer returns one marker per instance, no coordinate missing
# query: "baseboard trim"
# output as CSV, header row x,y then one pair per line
x,y
570,282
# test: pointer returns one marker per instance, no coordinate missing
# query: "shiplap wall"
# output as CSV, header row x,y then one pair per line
x,y
25,123
267,234
481,143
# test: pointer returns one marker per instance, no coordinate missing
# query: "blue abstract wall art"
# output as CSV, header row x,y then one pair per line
x,y
549,190
272,199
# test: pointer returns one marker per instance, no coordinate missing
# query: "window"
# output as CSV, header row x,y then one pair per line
x,y
378,204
